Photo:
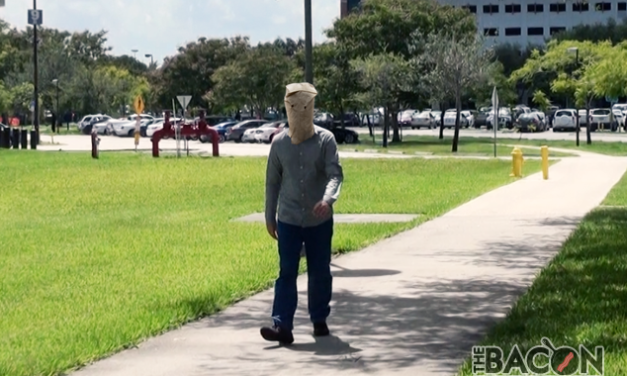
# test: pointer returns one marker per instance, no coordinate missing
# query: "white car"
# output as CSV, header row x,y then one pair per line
x,y
85,121
424,119
406,118
102,127
157,125
470,117
565,119
266,132
619,116
505,118
601,118
249,135
450,116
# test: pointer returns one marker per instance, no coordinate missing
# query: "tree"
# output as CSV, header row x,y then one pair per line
x,y
257,78
457,63
541,100
335,78
190,72
569,73
383,76
388,26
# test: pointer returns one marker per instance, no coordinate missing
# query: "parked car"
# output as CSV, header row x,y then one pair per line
x,y
406,118
450,116
583,120
266,132
350,120
281,128
504,118
565,120
425,119
324,118
481,119
152,128
221,128
619,116
470,117
530,122
214,120
342,135
87,126
602,118
236,132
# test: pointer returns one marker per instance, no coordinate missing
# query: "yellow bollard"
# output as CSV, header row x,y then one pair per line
x,y
517,162
544,152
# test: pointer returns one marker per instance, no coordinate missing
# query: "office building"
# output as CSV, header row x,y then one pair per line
x,y
348,6
526,22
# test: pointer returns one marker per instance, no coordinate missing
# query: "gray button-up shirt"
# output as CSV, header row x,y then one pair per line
x,y
300,176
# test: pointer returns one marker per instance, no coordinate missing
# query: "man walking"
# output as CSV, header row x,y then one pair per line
x,y
303,178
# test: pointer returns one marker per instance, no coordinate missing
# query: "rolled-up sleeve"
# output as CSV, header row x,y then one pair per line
x,y
273,184
333,170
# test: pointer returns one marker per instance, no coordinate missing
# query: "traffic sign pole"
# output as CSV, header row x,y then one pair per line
x,y
184,101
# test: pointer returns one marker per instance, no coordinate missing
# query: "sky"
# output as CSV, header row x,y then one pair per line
x,y
160,27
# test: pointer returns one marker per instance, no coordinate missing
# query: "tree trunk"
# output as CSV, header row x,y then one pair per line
x,y
588,138
441,121
458,106
386,121
370,128
396,137
342,116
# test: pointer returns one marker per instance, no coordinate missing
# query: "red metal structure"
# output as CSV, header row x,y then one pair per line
x,y
187,129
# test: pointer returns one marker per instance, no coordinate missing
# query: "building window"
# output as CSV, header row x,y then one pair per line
x,y
512,31
603,7
491,32
535,8
557,7
555,30
470,8
535,31
622,6
514,8
490,9
581,7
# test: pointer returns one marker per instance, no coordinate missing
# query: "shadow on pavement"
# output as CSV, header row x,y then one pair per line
x,y
437,323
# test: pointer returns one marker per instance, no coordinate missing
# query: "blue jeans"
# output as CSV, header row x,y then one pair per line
x,y
318,248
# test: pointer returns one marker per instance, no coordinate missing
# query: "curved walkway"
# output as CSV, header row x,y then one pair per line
x,y
413,304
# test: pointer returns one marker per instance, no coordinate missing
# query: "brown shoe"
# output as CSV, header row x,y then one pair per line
x,y
277,334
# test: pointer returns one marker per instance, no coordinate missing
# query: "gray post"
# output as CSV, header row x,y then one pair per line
x,y
35,76
308,44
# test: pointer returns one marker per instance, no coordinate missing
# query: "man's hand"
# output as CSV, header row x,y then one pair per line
x,y
272,230
322,209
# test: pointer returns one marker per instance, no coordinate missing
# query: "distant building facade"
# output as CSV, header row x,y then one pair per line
x,y
527,22
347,6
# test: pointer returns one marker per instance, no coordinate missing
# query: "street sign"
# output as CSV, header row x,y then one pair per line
x,y
139,105
32,106
184,100
35,16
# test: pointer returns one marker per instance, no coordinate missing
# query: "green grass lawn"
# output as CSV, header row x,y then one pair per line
x,y
467,146
581,296
100,254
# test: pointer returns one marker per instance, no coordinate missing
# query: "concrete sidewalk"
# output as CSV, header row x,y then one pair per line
x,y
412,305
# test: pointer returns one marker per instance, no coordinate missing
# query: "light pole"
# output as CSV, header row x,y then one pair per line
x,y
308,44
149,56
56,118
134,53
35,79
575,50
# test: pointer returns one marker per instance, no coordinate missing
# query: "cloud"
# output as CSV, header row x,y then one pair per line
x,y
159,27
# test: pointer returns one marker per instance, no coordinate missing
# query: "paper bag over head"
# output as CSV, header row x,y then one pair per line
x,y
299,106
